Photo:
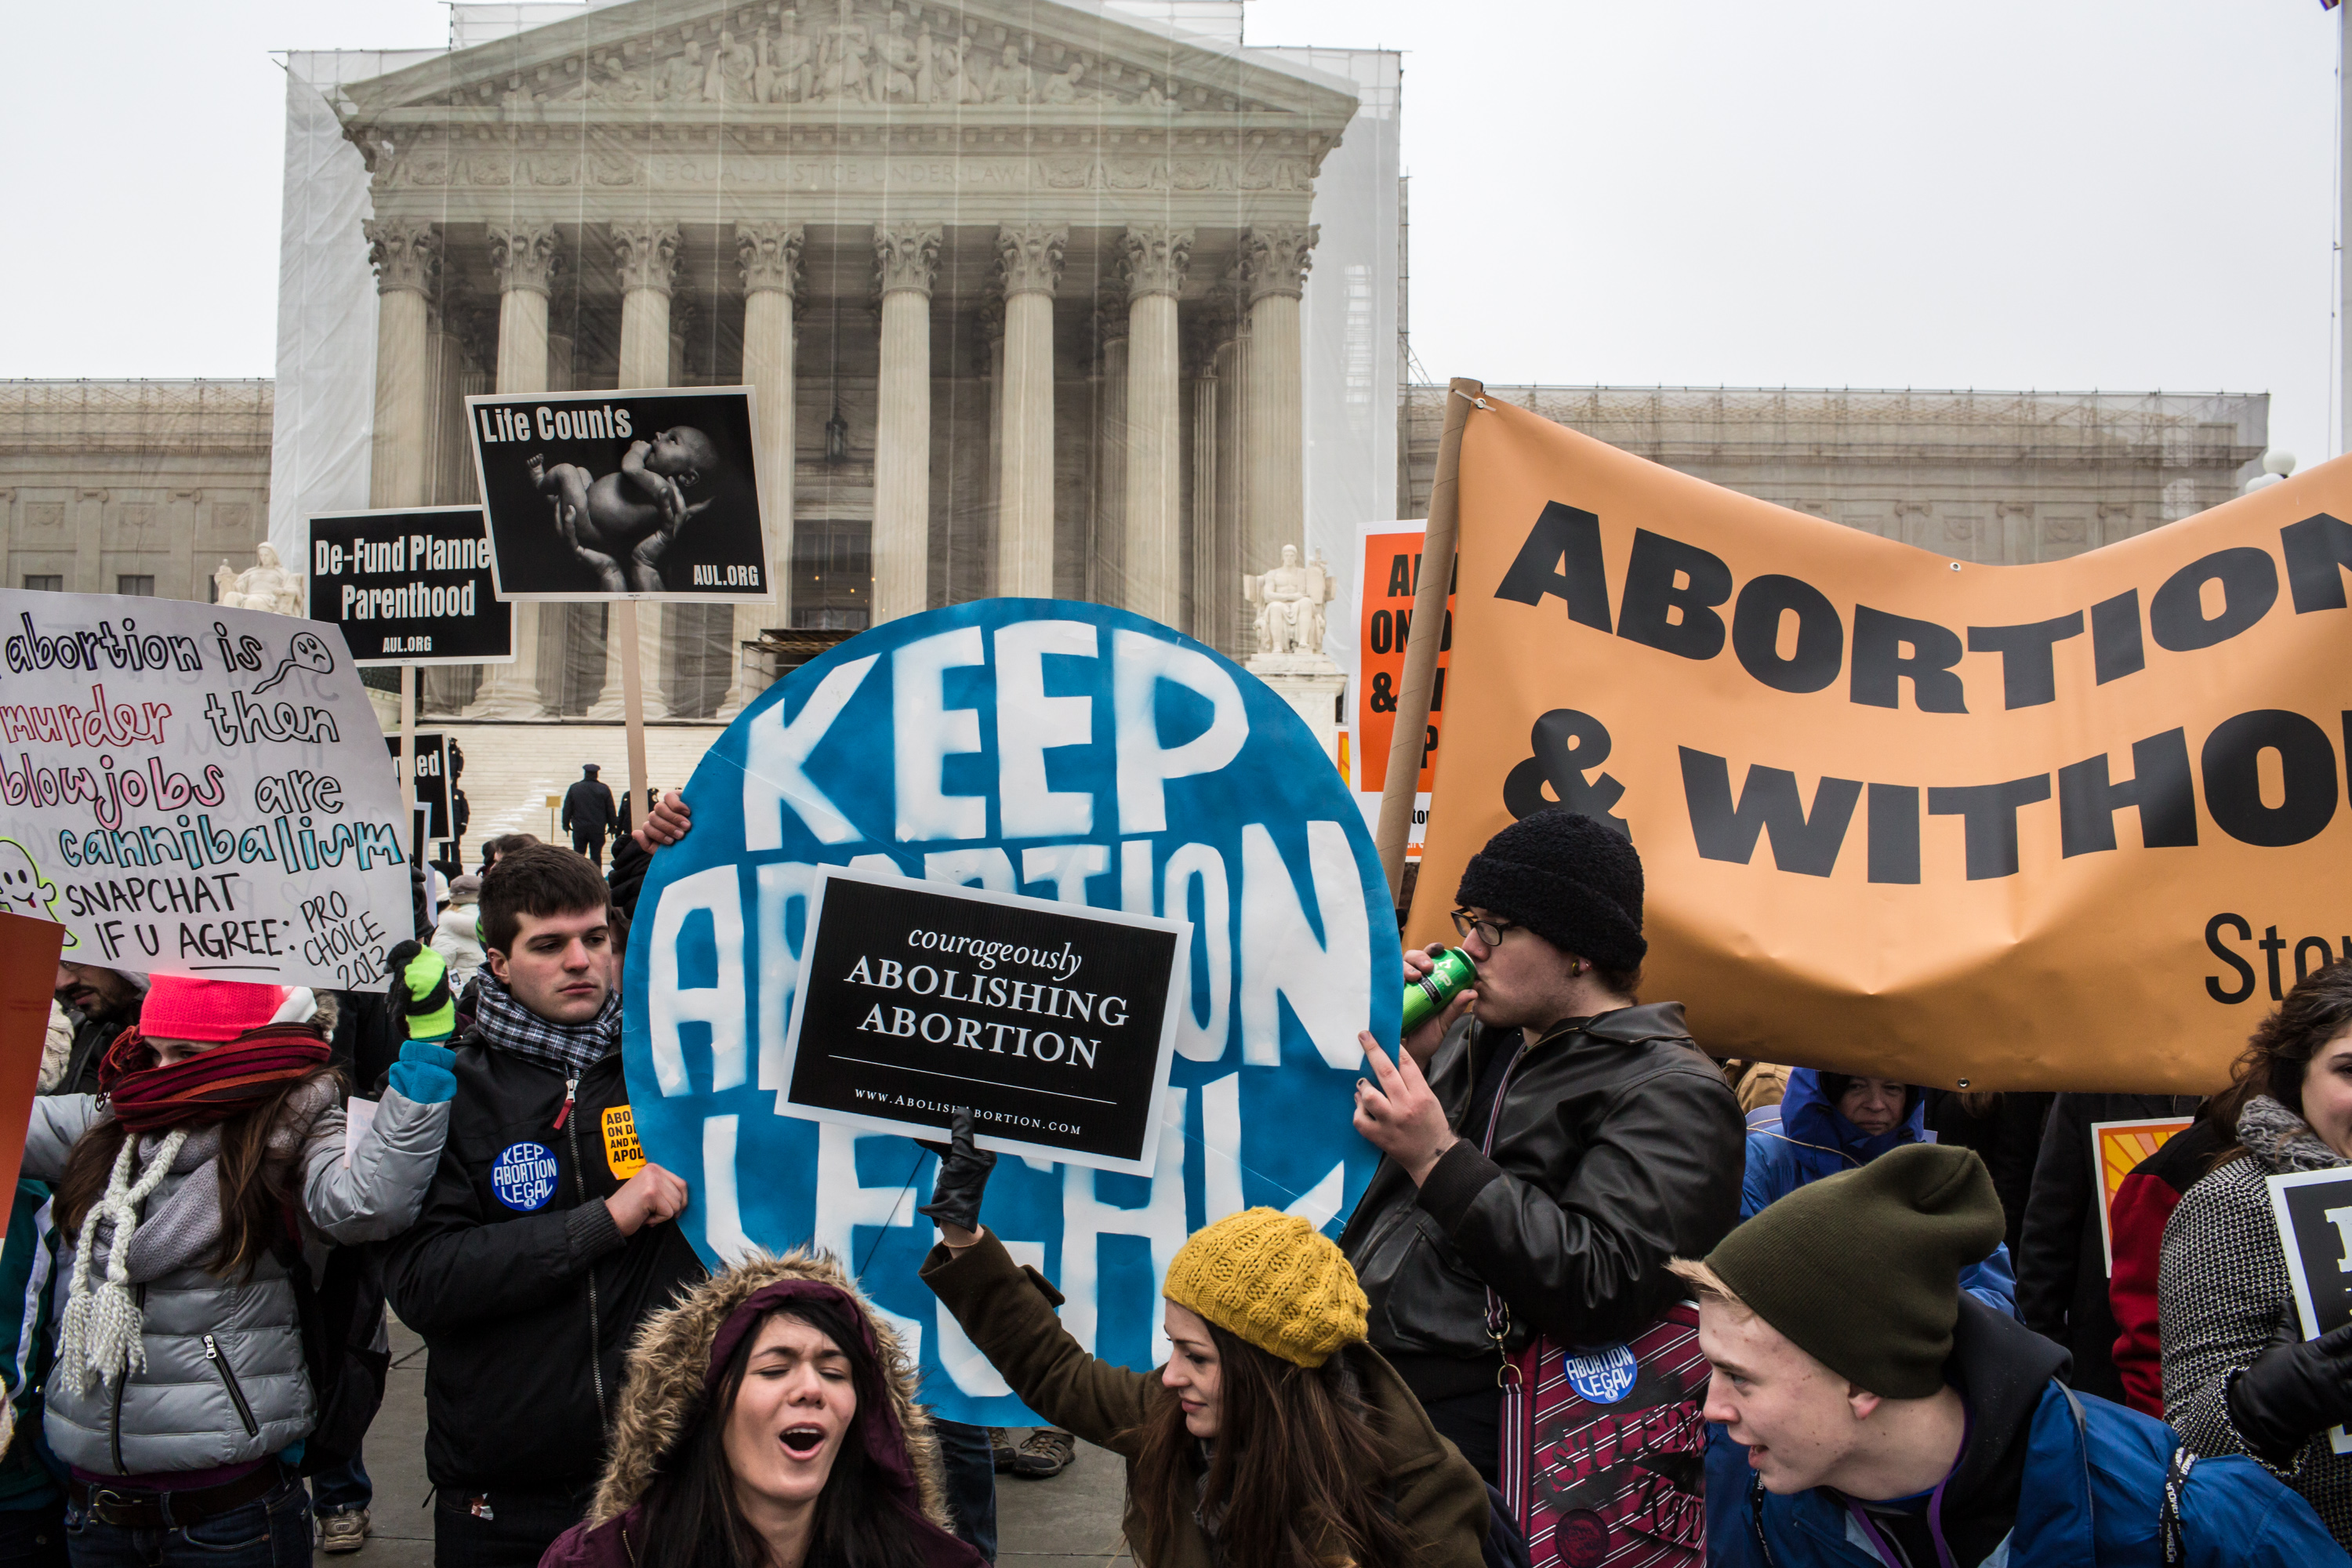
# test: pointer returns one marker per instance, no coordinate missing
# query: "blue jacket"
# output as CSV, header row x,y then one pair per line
x,y
2092,1498
1813,1141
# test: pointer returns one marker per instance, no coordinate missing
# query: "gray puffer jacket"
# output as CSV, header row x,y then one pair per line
x,y
245,1394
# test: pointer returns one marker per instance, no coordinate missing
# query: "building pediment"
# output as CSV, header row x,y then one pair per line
x,y
986,63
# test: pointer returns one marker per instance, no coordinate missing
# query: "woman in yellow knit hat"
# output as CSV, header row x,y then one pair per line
x,y
1274,1437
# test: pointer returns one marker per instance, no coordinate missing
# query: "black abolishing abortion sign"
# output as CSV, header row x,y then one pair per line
x,y
622,495
2314,1210
432,755
410,587
1049,1022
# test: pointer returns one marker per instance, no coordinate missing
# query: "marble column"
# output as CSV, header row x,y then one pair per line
x,y
991,369
1031,262
1154,260
905,262
1106,563
406,254
644,256
1273,272
769,256
1211,589
526,262
1233,431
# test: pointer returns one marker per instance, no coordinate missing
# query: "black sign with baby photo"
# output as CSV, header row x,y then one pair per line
x,y
2314,1213
622,495
1050,1022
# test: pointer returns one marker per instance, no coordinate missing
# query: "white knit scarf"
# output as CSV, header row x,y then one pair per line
x,y
101,1340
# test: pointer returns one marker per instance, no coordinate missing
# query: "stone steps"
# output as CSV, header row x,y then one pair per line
x,y
512,769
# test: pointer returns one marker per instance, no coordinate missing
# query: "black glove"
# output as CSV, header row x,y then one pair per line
x,y
2294,1388
963,1176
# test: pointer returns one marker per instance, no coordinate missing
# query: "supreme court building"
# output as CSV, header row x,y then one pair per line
x,y
1075,298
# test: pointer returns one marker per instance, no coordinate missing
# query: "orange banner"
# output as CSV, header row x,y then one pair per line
x,y
2075,825
28,978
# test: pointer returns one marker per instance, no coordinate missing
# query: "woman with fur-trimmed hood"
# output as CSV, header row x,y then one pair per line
x,y
768,1422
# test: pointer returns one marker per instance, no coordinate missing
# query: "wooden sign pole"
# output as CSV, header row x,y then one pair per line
x,y
408,752
632,703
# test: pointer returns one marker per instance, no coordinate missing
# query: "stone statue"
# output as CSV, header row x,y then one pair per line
x,y
679,80
265,586
792,70
1290,601
1064,87
895,63
1011,84
732,72
846,45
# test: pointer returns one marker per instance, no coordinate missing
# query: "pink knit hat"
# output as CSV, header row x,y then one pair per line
x,y
216,1011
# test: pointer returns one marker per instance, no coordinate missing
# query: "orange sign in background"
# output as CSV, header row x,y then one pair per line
x,y
2116,1150
1388,568
2077,824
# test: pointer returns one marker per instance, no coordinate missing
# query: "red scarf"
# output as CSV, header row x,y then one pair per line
x,y
208,1088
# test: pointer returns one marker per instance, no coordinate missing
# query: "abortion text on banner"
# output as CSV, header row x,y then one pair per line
x,y
432,753
410,587
1052,750
622,495
2313,1211
194,790
1387,566
2067,826
1051,1024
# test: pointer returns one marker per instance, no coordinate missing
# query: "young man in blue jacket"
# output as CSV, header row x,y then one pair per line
x,y
1893,1422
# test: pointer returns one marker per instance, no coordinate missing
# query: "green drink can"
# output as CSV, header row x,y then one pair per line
x,y
1426,998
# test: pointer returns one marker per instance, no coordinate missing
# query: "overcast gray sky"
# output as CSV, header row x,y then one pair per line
x,y
2128,195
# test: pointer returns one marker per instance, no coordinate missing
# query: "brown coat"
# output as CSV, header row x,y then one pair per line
x,y
1007,1311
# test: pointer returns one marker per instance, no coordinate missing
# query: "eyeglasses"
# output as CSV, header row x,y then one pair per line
x,y
1490,932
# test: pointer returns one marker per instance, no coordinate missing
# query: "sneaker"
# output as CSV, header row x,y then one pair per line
x,y
1000,1449
1044,1454
344,1531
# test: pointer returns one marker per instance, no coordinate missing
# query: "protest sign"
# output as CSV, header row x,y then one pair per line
x,y
2072,825
1388,570
1055,750
622,495
1052,1026
28,978
2313,1211
194,790
2116,1150
410,587
432,764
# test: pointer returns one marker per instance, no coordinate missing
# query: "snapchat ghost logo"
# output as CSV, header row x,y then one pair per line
x,y
22,890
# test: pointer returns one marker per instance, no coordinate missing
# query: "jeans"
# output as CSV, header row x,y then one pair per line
x,y
272,1532
970,1471
341,1488
1475,1422
34,1537
521,1525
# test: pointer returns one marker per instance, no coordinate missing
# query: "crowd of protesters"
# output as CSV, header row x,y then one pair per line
x,y
1837,1319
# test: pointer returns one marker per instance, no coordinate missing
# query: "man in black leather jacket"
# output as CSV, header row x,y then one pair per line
x,y
1546,1138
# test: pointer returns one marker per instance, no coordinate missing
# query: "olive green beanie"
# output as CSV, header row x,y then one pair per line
x,y
1862,1270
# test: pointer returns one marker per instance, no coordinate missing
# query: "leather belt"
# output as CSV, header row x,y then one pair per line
x,y
129,1510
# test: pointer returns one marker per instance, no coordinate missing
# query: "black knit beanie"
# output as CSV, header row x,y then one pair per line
x,y
1575,882
1862,1270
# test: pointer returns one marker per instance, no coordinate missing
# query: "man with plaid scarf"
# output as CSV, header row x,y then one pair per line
x,y
544,1240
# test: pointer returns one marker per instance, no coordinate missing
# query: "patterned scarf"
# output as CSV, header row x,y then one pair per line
x,y
208,1088
571,1049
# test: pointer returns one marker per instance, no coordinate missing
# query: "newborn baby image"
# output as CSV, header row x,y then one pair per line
x,y
632,516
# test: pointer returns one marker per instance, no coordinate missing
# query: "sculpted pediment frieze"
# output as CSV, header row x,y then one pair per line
x,y
693,60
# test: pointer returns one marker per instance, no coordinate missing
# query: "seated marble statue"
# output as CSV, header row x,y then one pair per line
x,y
266,585
1290,600
633,515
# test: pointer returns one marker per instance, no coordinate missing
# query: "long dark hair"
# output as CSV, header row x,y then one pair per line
x,y
2319,1009
1295,1477
256,1195
692,1517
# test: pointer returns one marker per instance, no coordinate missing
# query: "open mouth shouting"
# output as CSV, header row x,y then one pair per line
x,y
804,1441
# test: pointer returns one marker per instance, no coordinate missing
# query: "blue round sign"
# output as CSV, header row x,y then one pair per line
x,y
1602,1376
1049,749
523,1176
